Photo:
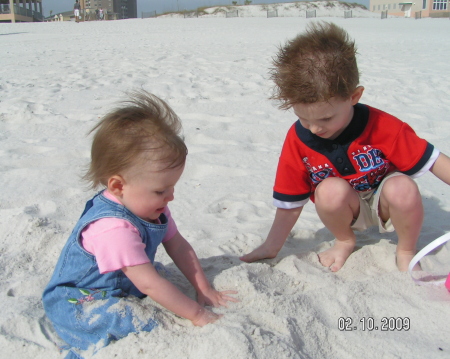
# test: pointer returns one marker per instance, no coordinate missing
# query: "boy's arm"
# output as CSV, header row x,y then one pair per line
x,y
184,257
148,281
282,225
441,168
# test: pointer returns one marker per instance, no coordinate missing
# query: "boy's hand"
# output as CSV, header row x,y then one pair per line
x,y
215,298
204,317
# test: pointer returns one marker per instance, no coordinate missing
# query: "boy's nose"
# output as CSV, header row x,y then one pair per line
x,y
315,129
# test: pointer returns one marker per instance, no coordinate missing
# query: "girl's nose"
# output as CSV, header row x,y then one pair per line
x,y
170,196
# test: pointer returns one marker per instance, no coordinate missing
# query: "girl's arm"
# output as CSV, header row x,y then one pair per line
x,y
148,281
441,168
183,255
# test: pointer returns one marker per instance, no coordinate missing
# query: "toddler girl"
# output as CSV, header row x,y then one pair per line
x,y
107,262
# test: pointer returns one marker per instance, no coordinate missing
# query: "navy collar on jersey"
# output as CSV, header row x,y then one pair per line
x,y
336,150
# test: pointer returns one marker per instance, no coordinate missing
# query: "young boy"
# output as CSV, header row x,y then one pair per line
x,y
355,162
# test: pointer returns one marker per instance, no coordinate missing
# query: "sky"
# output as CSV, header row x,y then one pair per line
x,y
161,6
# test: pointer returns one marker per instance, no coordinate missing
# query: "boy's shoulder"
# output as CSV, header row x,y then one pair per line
x,y
384,123
378,114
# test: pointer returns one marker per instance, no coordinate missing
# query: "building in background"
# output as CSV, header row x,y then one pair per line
x,y
415,8
21,11
114,9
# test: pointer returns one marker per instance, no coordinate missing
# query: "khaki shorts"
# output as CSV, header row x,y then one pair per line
x,y
368,209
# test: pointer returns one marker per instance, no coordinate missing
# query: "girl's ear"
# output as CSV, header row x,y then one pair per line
x,y
115,185
356,96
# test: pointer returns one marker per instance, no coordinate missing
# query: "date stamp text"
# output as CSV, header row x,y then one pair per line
x,y
370,324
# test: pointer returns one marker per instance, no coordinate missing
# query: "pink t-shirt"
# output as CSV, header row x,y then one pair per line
x,y
116,243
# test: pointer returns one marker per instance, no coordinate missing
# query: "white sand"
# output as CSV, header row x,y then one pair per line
x,y
57,79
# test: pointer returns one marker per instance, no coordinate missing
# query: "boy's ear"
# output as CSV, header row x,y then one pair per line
x,y
356,96
115,185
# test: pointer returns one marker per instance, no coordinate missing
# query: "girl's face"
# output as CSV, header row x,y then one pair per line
x,y
147,192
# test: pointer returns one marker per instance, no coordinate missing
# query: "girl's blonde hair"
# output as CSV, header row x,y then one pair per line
x,y
144,129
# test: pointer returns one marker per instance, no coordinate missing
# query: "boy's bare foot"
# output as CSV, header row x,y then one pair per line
x,y
403,259
262,252
335,257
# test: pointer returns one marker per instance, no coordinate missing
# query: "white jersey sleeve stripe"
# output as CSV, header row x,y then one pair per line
x,y
427,165
289,205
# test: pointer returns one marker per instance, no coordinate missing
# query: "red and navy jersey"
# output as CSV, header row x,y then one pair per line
x,y
373,145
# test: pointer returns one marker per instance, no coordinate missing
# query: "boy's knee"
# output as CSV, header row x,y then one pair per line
x,y
401,190
332,191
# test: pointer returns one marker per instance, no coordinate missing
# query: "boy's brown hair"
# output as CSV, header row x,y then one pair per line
x,y
144,129
315,66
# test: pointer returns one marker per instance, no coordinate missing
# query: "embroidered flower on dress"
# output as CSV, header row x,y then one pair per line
x,y
88,296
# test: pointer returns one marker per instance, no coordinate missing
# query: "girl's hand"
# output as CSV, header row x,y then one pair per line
x,y
205,317
215,298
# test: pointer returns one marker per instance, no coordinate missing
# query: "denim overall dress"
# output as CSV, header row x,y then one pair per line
x,y
86,307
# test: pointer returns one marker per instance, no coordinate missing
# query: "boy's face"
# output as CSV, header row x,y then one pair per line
x,y
327,119
147,194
